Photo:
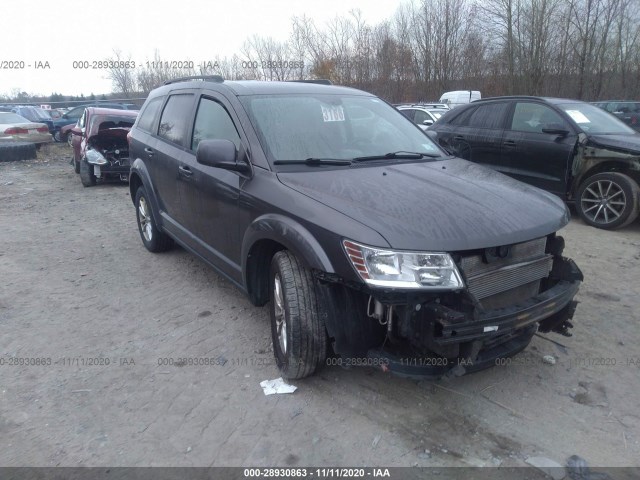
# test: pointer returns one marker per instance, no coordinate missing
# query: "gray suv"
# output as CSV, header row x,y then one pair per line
x,y
365,238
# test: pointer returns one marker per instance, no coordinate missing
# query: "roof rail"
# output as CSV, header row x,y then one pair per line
x,y
320,81
211,78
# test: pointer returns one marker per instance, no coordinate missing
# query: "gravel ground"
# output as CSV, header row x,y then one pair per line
x,y
78,290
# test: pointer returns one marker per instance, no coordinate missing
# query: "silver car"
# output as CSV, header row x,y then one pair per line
x,y
15,128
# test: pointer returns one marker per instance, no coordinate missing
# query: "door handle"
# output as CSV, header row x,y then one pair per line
x,y
149,151
185,171
458,137
509,143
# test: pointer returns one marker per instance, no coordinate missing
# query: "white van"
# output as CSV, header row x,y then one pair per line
x,y
460,97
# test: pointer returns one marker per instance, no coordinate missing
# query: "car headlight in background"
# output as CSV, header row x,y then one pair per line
x,y
398,269
94,157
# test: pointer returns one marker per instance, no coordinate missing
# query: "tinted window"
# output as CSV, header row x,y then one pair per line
x,y
75,113
488,116
408,113
175,118
213,122
463,117
149,114
533,117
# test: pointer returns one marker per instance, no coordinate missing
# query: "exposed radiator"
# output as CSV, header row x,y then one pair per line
x,y
526,265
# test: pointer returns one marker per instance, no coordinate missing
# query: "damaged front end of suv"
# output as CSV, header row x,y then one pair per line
x,y
427,314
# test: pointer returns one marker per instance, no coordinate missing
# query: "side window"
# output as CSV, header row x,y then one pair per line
x,y
175,118
533,117
407,112
488,116
213,122
462,119
82,120
148,115
421,117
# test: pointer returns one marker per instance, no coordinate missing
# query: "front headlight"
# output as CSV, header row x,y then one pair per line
x,y
94,157
387,268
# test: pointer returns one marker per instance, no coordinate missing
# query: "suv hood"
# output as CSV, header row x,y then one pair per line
x,y
444,205
627,143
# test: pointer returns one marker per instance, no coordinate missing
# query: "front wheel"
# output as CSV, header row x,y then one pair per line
x,y
608,200
57,137
153,239
297,330
87,177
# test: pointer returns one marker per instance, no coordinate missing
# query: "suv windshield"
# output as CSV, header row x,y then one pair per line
x,y
594,120
294,128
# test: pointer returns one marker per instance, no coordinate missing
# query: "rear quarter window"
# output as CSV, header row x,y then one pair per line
x,y
489,116
149,113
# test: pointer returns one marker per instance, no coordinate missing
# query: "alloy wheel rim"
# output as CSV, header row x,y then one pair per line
x,y
145,220
281,324
603,202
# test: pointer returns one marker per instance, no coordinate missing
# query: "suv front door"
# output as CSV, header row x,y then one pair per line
x,y
534,157
212,194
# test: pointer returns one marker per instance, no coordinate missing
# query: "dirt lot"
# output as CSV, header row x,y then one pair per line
x,y
77,287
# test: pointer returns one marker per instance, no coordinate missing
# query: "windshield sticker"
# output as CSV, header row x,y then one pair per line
x,y
334,113
429,147
578,116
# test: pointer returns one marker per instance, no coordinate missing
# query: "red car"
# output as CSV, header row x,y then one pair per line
x,y
100,147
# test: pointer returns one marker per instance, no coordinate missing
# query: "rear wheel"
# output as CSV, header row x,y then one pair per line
x,y
87,177
153,239
608,200
297,330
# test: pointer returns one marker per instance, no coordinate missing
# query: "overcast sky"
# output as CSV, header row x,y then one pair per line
x,y
60,33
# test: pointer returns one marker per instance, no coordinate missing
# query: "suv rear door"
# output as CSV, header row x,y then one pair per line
x,y
168,157
532,156
476,133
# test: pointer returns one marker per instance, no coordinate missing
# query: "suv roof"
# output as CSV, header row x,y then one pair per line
x,y
551,100
254,87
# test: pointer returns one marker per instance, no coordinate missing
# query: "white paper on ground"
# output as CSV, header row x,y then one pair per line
x,y
269,387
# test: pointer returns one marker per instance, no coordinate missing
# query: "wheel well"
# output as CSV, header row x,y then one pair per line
x,y
134,183
257,270
609,167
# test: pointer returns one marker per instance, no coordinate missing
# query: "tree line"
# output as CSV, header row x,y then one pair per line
x,y
585,49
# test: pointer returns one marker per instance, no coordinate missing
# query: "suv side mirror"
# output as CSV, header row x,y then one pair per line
x,y
220,154
428,122
555,129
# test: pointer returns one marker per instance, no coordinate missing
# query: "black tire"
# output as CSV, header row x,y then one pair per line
x,y
57,137
608,200
301,350
87,177
12,151
76,164
153,239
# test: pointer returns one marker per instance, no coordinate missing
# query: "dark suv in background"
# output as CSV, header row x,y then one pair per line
x,y
625,110
363,235
570,148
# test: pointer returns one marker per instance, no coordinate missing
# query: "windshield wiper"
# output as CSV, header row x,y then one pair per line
x,y
400,154
314,161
